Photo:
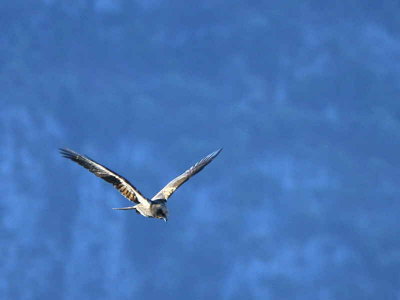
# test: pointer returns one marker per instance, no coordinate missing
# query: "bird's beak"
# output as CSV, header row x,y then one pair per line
x,y
165,219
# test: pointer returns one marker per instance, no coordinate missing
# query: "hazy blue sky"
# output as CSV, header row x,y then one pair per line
x,y
304,96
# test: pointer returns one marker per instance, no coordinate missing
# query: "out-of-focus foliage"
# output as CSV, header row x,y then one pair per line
x,y
303,95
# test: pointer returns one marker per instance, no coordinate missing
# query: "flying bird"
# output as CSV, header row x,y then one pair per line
x,y
155,207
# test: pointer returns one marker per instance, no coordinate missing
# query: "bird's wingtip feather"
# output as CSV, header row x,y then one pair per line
x,y
216,152
67,153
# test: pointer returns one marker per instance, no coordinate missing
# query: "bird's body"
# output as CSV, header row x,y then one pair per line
x,y
154,208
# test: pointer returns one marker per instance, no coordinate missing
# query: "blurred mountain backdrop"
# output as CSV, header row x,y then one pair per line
x,y
304,96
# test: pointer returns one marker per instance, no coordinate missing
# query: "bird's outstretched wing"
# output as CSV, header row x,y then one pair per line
x,y
119,182
168,190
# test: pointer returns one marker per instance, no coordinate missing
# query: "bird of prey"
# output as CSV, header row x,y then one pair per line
x,y
155,207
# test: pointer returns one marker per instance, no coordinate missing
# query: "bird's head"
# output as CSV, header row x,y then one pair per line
x,y
160,210
162,213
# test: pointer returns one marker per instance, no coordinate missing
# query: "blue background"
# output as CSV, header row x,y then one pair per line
x,y
304,96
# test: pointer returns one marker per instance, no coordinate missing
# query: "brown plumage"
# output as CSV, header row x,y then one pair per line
x,y
156,207
170,188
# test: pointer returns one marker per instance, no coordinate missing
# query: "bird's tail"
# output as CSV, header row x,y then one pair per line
x,y
125,208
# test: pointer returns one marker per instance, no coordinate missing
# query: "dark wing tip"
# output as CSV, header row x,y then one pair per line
x,y
218,151
214,154
67,153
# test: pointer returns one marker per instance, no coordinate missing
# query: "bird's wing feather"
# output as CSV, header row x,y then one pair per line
x,y
119,182
168,190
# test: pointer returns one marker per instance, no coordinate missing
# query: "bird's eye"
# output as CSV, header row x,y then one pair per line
x,y
160,212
